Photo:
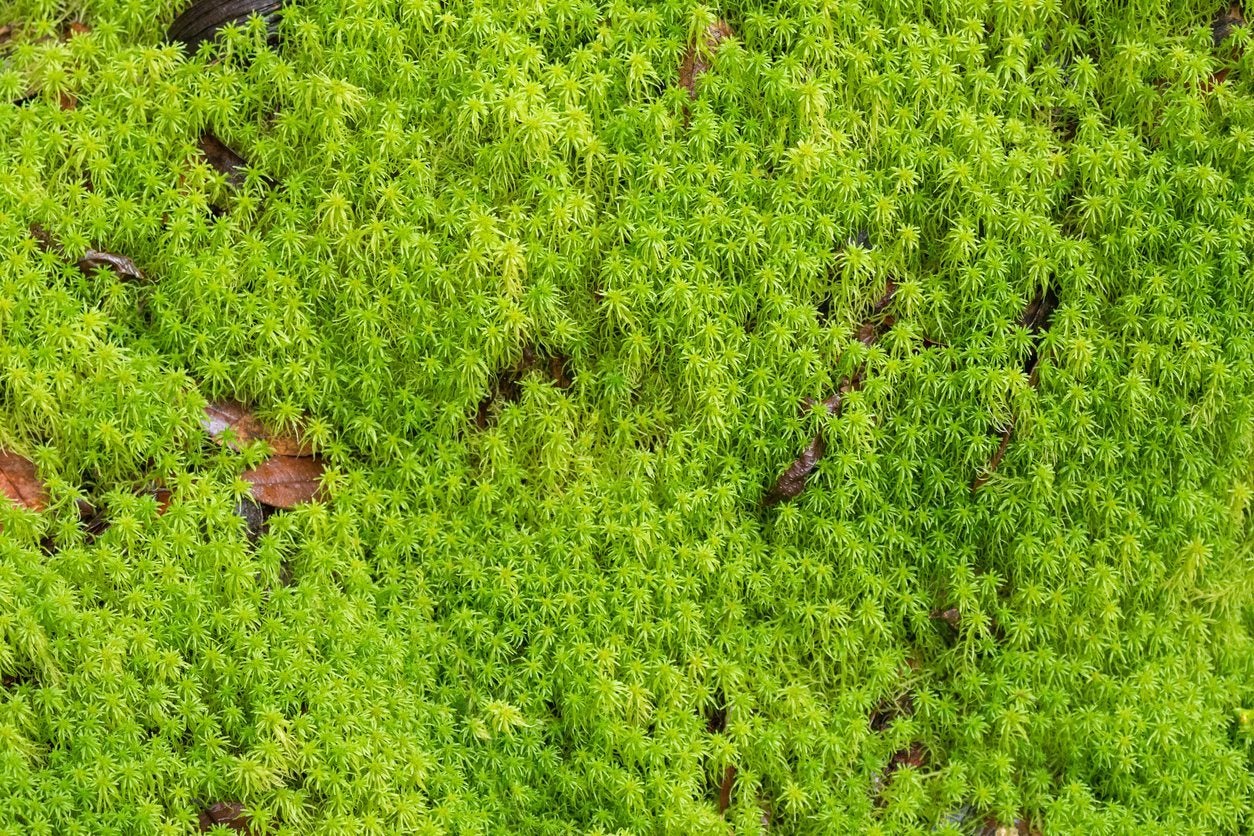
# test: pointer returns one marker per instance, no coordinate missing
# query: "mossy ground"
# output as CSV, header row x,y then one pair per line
x,y
524,606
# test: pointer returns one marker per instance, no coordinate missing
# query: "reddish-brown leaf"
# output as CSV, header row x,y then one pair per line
x,y
229,814
20,483
6,32
163,496
695,63
76,27
286,481
93,260
247,428
221,157
950,616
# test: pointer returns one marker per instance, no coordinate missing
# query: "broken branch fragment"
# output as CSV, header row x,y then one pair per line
x,y
725,788
203,19
1037,318
793,480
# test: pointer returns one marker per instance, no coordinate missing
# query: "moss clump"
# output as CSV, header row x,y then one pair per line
x,y
547,312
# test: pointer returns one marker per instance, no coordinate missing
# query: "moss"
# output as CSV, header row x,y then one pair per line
x,y
548,315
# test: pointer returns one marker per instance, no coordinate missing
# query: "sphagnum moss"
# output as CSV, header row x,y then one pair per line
x,y
550,608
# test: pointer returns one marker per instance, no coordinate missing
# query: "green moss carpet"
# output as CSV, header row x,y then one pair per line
x,y
790,417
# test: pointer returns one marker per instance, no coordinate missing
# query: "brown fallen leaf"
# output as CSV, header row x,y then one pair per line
x,y
163,497
695,63
76,27
6,32
20,483
247,428
950,616
229,814
221,157
67,100
286,481
93,260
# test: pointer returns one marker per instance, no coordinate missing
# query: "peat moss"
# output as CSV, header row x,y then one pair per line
x,y
550,320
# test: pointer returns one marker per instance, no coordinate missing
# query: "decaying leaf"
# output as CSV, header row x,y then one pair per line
x,y
695,62
286,481
20,483
44,238
163,497
950,616
229,814
76,28
254,516
1039,313
247,428
93,260
222,158
1225,22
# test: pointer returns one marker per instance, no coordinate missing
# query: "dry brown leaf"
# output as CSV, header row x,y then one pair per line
x,y
286,481
93,260
229,814
247,428
20,483
221,157
695,63
76,27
